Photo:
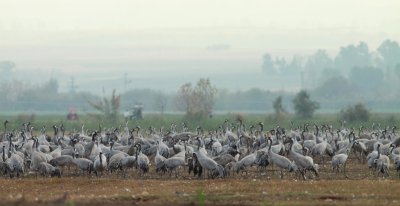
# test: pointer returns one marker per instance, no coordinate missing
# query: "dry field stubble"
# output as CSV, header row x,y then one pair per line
x,y
255,188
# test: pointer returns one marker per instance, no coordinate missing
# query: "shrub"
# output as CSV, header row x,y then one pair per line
x,y
198,101
358,112
304,106
108,107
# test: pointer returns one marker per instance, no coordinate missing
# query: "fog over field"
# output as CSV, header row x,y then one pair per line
x,y
101,58
161,45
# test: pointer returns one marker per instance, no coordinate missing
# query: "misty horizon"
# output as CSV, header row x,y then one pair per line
x,y
166,74
241,46
100,41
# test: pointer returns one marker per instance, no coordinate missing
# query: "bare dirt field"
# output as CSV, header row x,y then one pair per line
x,y
361,187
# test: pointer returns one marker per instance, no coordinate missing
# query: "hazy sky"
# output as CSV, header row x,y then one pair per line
x,y
27,22
369,16
154,35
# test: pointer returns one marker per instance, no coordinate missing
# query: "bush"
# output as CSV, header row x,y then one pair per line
x,y
358,112
108,107
198,101
304,106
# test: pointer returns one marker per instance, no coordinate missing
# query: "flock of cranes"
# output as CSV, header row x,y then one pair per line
x,y
231,150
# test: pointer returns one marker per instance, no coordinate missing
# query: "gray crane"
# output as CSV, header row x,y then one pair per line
x,y
304,163
15,165
46,169
382,163
340,160
62,161
115,162
282,162
83,164
99,164
247,161
209,164
159,162
142,160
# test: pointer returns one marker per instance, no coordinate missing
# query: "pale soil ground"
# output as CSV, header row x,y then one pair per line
x,y
360,188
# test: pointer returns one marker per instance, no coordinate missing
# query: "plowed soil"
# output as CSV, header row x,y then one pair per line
x,y
360,187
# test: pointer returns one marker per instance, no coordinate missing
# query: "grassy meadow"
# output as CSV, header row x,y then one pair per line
x,y
92,121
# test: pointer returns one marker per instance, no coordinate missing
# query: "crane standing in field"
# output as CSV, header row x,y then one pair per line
x,y
340,160
304,163
282,162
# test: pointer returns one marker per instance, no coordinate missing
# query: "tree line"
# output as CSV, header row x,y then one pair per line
x,y
356,71
194,98
356,74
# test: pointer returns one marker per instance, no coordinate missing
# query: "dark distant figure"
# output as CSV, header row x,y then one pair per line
x,y
72,114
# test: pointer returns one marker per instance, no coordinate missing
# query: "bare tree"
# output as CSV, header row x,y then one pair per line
x,y
197,101
184,97
279,110
108,107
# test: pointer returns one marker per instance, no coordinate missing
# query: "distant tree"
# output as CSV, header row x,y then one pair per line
x,y
366,78
354,113
268,64
319,60
294,67
205,93
353,56
184,98
303,105
335,87
278,107
160,102
329,73
316,65
397,70
390,52
197,101
109,107
280,64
